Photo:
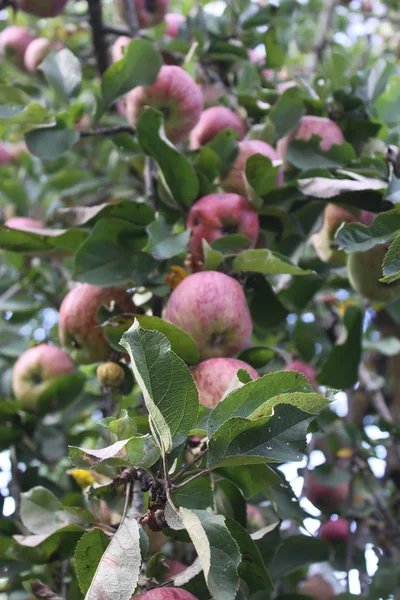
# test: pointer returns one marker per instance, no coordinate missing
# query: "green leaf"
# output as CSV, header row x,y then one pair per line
x,y
261,175
267,262
63,71
120,429
118,571
355,237
251,568
299,551
139,66
229,501
252,480
88,553
51,142
43,514
261,293
231,243
307,155
340,369
387,104
168,388
43,241
181,342
138,213
139,451
212,258
391,262
61,392
162,243
225,145
196,494
276,55
17,108
61,543
281,437
179,175
287,112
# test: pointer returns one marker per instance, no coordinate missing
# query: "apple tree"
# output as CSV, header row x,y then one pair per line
x,y
200,299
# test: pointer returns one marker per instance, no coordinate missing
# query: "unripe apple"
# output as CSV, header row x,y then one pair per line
x,y
110,374
35,371
117,48
175,94
235,179
310,125
212,308
216,215
305,369
255,518
149,12
317,588
79,330
324,241
173,20
23,223
326,497
14,40
5,156
166,593
334,531
213,121
214,376
364,271
36,52
42,8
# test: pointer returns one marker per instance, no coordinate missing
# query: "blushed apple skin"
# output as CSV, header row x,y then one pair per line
x,y
176,95
5,157
212,308
326,497
173,20
334,531
117,47
305,369
235,178
36,52
317,588
146,17
310,125
23,223
364,271
255,517
216,215
15,39
166,593
35,370
214,376
174,568
212,121
79,332
42,8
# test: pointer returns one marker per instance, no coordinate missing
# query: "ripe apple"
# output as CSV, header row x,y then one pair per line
x,y
305,369
235,179
117,48
317,588
173,21
212,308
365,270
310,125
37,51
324,241
216,215
327,497
176,95
212,121
35,371
14,40
214,376
174,568
42,8
255,518
166,593
334,531
79,330
23,223
5,156
149,12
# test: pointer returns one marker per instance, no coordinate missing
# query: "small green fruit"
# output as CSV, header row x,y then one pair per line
x,y
110,374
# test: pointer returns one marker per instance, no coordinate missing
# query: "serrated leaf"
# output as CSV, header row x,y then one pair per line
x,y
298,551
162,243
196,494
88,553
261,175
267,262
168,388
287,112
138,213
391,262
63,71
40,241
355,237
52,141
122,429
251,480
139,451
212,258
306,155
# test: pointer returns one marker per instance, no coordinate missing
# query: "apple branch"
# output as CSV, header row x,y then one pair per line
x,y
131,17
179,486
96,23
189,465
323,27
108,131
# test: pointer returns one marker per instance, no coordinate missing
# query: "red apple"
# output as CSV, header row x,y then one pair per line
x,y
214,376
216,215
166,593
324,241
173,21
5,157
317,588
235,179
326,497
79,330
255,518
15,40
174,568
23,223
34,372
37,51
212,121
42,8
305,369
310,125
334,531
149,12
212,308
176,95
117,48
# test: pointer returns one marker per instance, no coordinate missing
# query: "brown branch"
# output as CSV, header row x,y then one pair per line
x,y
108,131
323,27
42,591
112,29
99,43
15,483
131,17
187,481
374,393
189,465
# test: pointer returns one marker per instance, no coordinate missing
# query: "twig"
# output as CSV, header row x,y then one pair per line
x,y
116,30
43,591
131,17
15,483
108,131
148,181
374,393
13,289
189,465
351,538
187,481
96,23
323,26
128,497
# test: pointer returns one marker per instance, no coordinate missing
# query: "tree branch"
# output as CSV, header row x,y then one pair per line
x,y
96,23
108,131
42,591
374,393
15,483
323,26
116,30
189,465
187,481
131,17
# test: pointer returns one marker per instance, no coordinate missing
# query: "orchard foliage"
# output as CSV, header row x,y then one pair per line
x,y
200,298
